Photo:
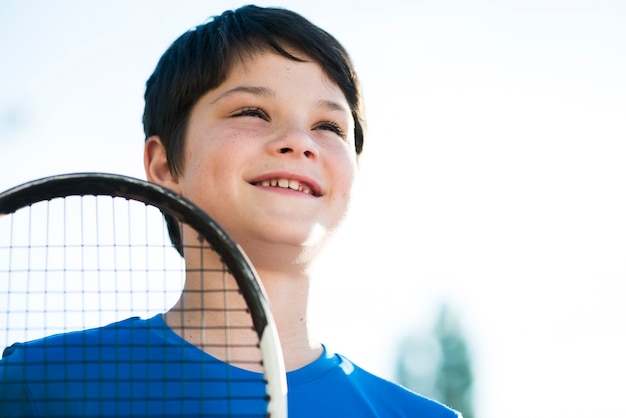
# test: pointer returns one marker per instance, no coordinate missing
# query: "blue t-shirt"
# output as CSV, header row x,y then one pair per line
x,y
140,367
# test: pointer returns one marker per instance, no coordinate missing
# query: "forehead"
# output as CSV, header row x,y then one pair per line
x,y
246,58
269,67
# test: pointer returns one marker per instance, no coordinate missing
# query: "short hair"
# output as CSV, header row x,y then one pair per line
x,y
200,60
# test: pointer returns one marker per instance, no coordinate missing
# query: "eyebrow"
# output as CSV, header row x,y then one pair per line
x,y
267,92
330,105
254,90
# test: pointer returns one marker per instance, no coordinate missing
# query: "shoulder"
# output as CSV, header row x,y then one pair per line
x,y
391,398
345,389
73,343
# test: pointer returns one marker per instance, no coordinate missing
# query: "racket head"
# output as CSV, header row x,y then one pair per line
x,y
37,259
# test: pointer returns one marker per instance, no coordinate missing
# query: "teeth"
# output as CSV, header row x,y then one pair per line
x,y
294,185
286,184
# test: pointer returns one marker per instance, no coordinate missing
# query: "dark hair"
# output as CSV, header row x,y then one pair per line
x,y
200,60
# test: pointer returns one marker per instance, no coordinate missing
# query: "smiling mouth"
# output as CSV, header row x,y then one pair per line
x,y
290,184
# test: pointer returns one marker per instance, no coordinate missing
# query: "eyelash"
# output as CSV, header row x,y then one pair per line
x,y
253,112
333,127
260,113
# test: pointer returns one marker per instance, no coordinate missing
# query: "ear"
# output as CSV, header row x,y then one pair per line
x,y
155,164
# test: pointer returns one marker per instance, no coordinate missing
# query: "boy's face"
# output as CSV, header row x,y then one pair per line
x,y
270,153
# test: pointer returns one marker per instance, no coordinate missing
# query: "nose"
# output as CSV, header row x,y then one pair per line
x,y
294,141
306,153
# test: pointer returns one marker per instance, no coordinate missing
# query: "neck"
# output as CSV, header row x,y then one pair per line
x,y
289,300
288,293
284,272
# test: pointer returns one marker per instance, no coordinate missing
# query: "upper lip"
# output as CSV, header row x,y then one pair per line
x,y
291,180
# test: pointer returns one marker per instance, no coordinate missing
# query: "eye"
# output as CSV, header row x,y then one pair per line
x,y
332,127
255,112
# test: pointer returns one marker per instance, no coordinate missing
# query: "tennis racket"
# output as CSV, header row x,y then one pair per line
x,y
89,264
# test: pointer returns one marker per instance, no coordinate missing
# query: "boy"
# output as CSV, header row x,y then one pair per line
x,y
257,117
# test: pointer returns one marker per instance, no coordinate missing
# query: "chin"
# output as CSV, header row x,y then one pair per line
x,y
284,246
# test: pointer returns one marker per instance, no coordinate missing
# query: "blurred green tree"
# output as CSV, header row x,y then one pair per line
x,y
437,364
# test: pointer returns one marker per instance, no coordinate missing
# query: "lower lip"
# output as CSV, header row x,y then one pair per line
x,y
288,192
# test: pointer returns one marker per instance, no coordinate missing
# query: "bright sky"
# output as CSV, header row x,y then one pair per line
x,y
494,172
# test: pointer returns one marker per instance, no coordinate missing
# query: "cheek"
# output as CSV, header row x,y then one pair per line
x,y
196,172
344,178
203,154
213,174
346,169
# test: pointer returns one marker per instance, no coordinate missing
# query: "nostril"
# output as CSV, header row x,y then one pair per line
x,y
285,150
308,154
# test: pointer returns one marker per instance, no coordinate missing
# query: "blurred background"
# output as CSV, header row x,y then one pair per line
x,y
485,259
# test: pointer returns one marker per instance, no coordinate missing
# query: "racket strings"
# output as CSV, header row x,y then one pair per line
x,y
80,263
229,333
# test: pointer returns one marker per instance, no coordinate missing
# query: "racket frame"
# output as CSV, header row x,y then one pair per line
x,y
179,207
